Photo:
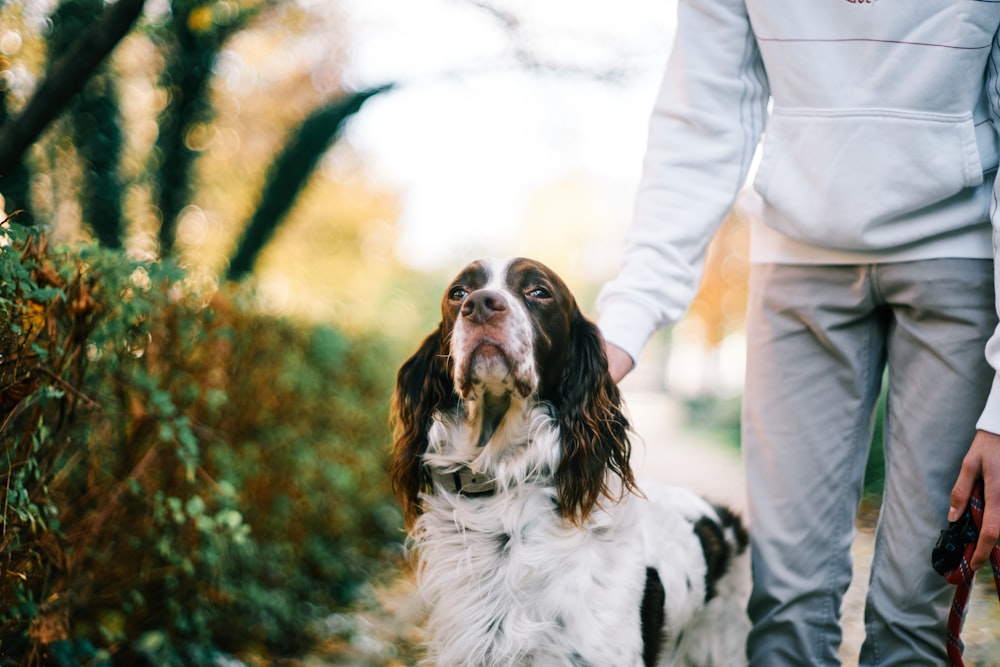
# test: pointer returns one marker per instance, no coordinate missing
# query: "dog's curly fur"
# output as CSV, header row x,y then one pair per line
x,y
535,545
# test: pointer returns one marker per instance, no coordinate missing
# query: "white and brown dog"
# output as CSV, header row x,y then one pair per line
x,y
534,544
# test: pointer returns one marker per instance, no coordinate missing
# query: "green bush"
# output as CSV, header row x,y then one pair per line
x,y
182,477
875,465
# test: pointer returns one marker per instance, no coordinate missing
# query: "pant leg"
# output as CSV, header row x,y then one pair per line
x,y
815,358
943,313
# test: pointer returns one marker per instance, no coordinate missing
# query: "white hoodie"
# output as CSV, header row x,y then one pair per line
x,y
879,146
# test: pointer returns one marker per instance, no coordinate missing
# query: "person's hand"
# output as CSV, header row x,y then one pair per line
x,y
982,461
620,363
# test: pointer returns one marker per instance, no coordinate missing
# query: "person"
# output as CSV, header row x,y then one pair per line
x,y
872,257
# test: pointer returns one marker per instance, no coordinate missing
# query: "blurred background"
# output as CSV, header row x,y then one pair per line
x,y
340,152
470,128
226,224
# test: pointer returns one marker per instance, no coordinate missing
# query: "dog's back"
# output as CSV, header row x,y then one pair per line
x,y
706,621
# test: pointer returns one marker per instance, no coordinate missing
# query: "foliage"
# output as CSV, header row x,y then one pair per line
x,y
875,465
16,185
182,477
95,126
191,40
130,174
717,415
64,78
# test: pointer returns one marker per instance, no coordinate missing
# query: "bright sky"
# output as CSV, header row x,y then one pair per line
x,y
472,137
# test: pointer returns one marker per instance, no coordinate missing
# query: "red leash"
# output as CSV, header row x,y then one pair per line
x,y
962,576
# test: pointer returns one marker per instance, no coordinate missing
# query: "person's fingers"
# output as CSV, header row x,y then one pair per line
x,y
962,489
988,536
982,462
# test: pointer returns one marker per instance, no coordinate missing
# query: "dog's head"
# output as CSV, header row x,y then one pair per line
x,y
512,331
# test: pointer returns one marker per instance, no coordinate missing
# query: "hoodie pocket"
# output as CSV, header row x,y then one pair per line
x,y
837,177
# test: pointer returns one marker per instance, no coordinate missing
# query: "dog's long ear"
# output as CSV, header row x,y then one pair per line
x,y
593,425
422,387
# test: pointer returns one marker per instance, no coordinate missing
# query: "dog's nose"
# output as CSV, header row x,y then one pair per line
x,y
482,306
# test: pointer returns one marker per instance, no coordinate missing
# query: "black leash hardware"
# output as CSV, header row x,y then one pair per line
x,y
462,481
947,553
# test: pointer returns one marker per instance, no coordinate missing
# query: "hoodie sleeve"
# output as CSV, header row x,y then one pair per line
x,y
990,418
707,121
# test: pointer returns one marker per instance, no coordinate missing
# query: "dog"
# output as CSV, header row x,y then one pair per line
x,y
534,543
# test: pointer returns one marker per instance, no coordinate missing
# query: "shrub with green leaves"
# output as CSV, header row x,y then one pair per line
x,y
181,477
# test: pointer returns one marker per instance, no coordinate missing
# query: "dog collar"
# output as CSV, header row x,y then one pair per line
x,y
465,482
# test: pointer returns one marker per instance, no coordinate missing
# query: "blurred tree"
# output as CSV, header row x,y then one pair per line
x,y
15,184
179,88
343,240
289,172
67,75
95,126
192,40
720,304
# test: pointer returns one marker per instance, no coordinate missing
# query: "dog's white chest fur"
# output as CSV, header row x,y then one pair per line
x,y
508,584
508,581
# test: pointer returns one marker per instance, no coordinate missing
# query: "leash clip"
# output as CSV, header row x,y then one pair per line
x,y
947,553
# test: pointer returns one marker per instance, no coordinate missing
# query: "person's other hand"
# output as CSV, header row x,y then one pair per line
x,y
620,363
982,461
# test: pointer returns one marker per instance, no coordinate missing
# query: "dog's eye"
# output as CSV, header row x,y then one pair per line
x,y
458,293
538,293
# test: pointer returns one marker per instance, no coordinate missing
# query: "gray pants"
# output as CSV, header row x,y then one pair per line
x,y
819,341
